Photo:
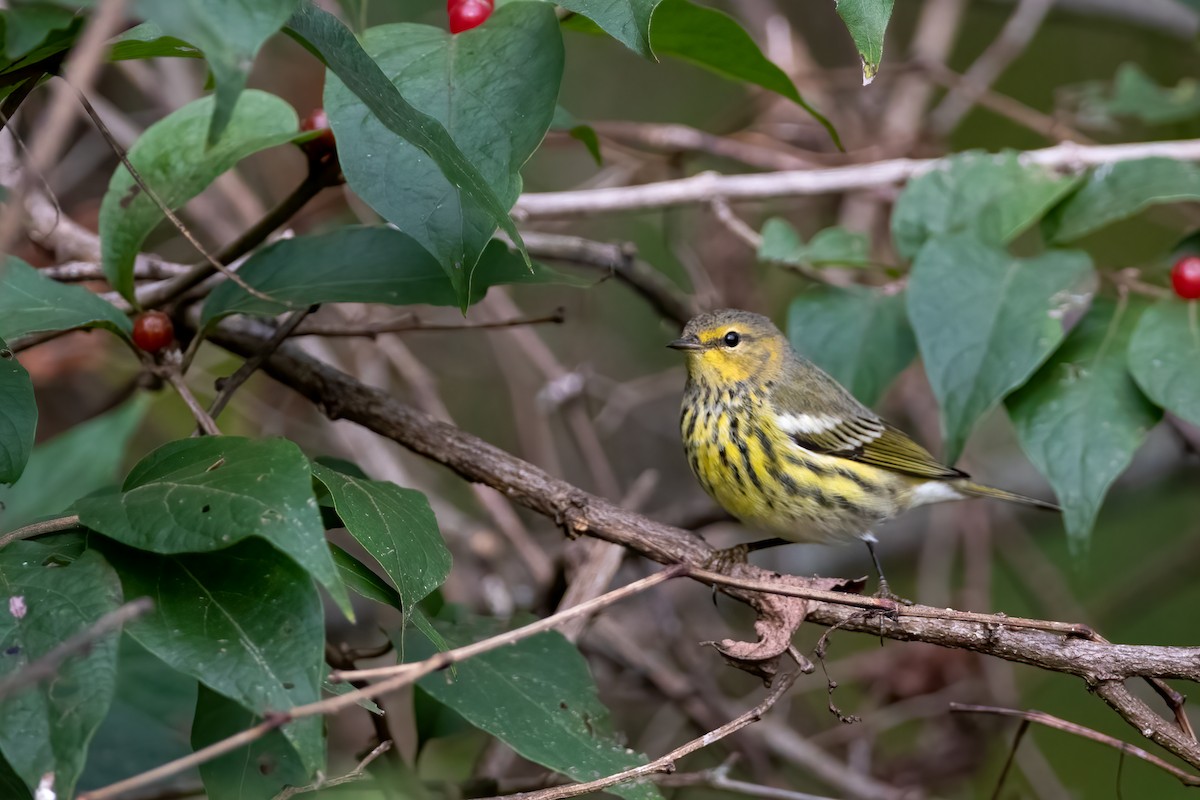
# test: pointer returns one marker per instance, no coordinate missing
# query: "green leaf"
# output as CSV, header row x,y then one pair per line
x,y
175,160
996,197
359,579
537,697
246,622
1164,357
18,416
1135,94
257,771
31,303
1116,191
230,32
11,785
714,40
71,465
148,41
1081,417
147,723
834,246
564,120
396,526
986,320
859,335
49,725
462,191
27,25
867,22
627,21
362,265
198,495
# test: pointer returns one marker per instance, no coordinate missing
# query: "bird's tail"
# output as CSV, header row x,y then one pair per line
x,y
979,490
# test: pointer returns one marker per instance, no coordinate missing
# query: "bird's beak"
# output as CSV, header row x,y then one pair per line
x,y
687,343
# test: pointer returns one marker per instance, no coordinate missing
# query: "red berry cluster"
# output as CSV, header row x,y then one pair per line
x,y
467,14
152,331
1185,277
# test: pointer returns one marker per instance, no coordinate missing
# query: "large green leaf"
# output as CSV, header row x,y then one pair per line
x,y
198,495
857,334
373,113
985,320
1081,417
995,196
627,21
1164,357
396,526
867,22
30,303
257,771
537,697
47,726
714,40
229,32
1116,191
148,722
148,41
246,622
72,464
175,160
835,246
362,265
27,25
18,416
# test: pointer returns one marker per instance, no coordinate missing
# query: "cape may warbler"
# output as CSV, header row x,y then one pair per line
x,y
787,449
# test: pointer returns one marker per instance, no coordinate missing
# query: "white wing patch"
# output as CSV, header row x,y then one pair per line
x,y
935,492
810,424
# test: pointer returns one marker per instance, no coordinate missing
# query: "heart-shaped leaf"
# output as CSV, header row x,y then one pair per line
x,y
985,320
494,88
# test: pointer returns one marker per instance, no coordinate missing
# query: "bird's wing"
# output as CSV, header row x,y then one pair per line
x,y
866,439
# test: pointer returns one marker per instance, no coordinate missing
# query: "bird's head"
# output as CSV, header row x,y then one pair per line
x,y
728,346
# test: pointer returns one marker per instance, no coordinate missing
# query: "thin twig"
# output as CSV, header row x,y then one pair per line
x,y
40,528
718,778
408,675
227,386
46,667
203,420
665,764
410,322
356,774
673,138
1050,721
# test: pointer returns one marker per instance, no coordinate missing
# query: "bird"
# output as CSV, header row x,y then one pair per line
x,y
786,449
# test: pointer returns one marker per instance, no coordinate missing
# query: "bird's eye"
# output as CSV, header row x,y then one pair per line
x,y
732,339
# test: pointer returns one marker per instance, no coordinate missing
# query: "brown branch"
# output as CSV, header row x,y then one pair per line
x,y
46,668
1057,647
411,322
205,422
664,764
671,138
1050,721
227,386
40,529
356,774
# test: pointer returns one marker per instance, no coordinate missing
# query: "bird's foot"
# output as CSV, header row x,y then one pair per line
x,y
884,592
722,560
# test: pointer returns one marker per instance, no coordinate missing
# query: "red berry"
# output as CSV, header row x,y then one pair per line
x,y
322,145
152,331
468,14
1185,277
315,121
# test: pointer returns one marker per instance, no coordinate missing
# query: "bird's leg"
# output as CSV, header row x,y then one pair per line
x,y
739,553
884,592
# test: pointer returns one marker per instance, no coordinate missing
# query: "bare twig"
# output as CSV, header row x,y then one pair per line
x,y
718,778
46,667
1050,721
203,420
702,188
358,773
411,322
227,386
665,764
40,529
669,138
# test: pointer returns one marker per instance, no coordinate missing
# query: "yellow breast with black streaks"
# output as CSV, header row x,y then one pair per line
x,y
758,474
